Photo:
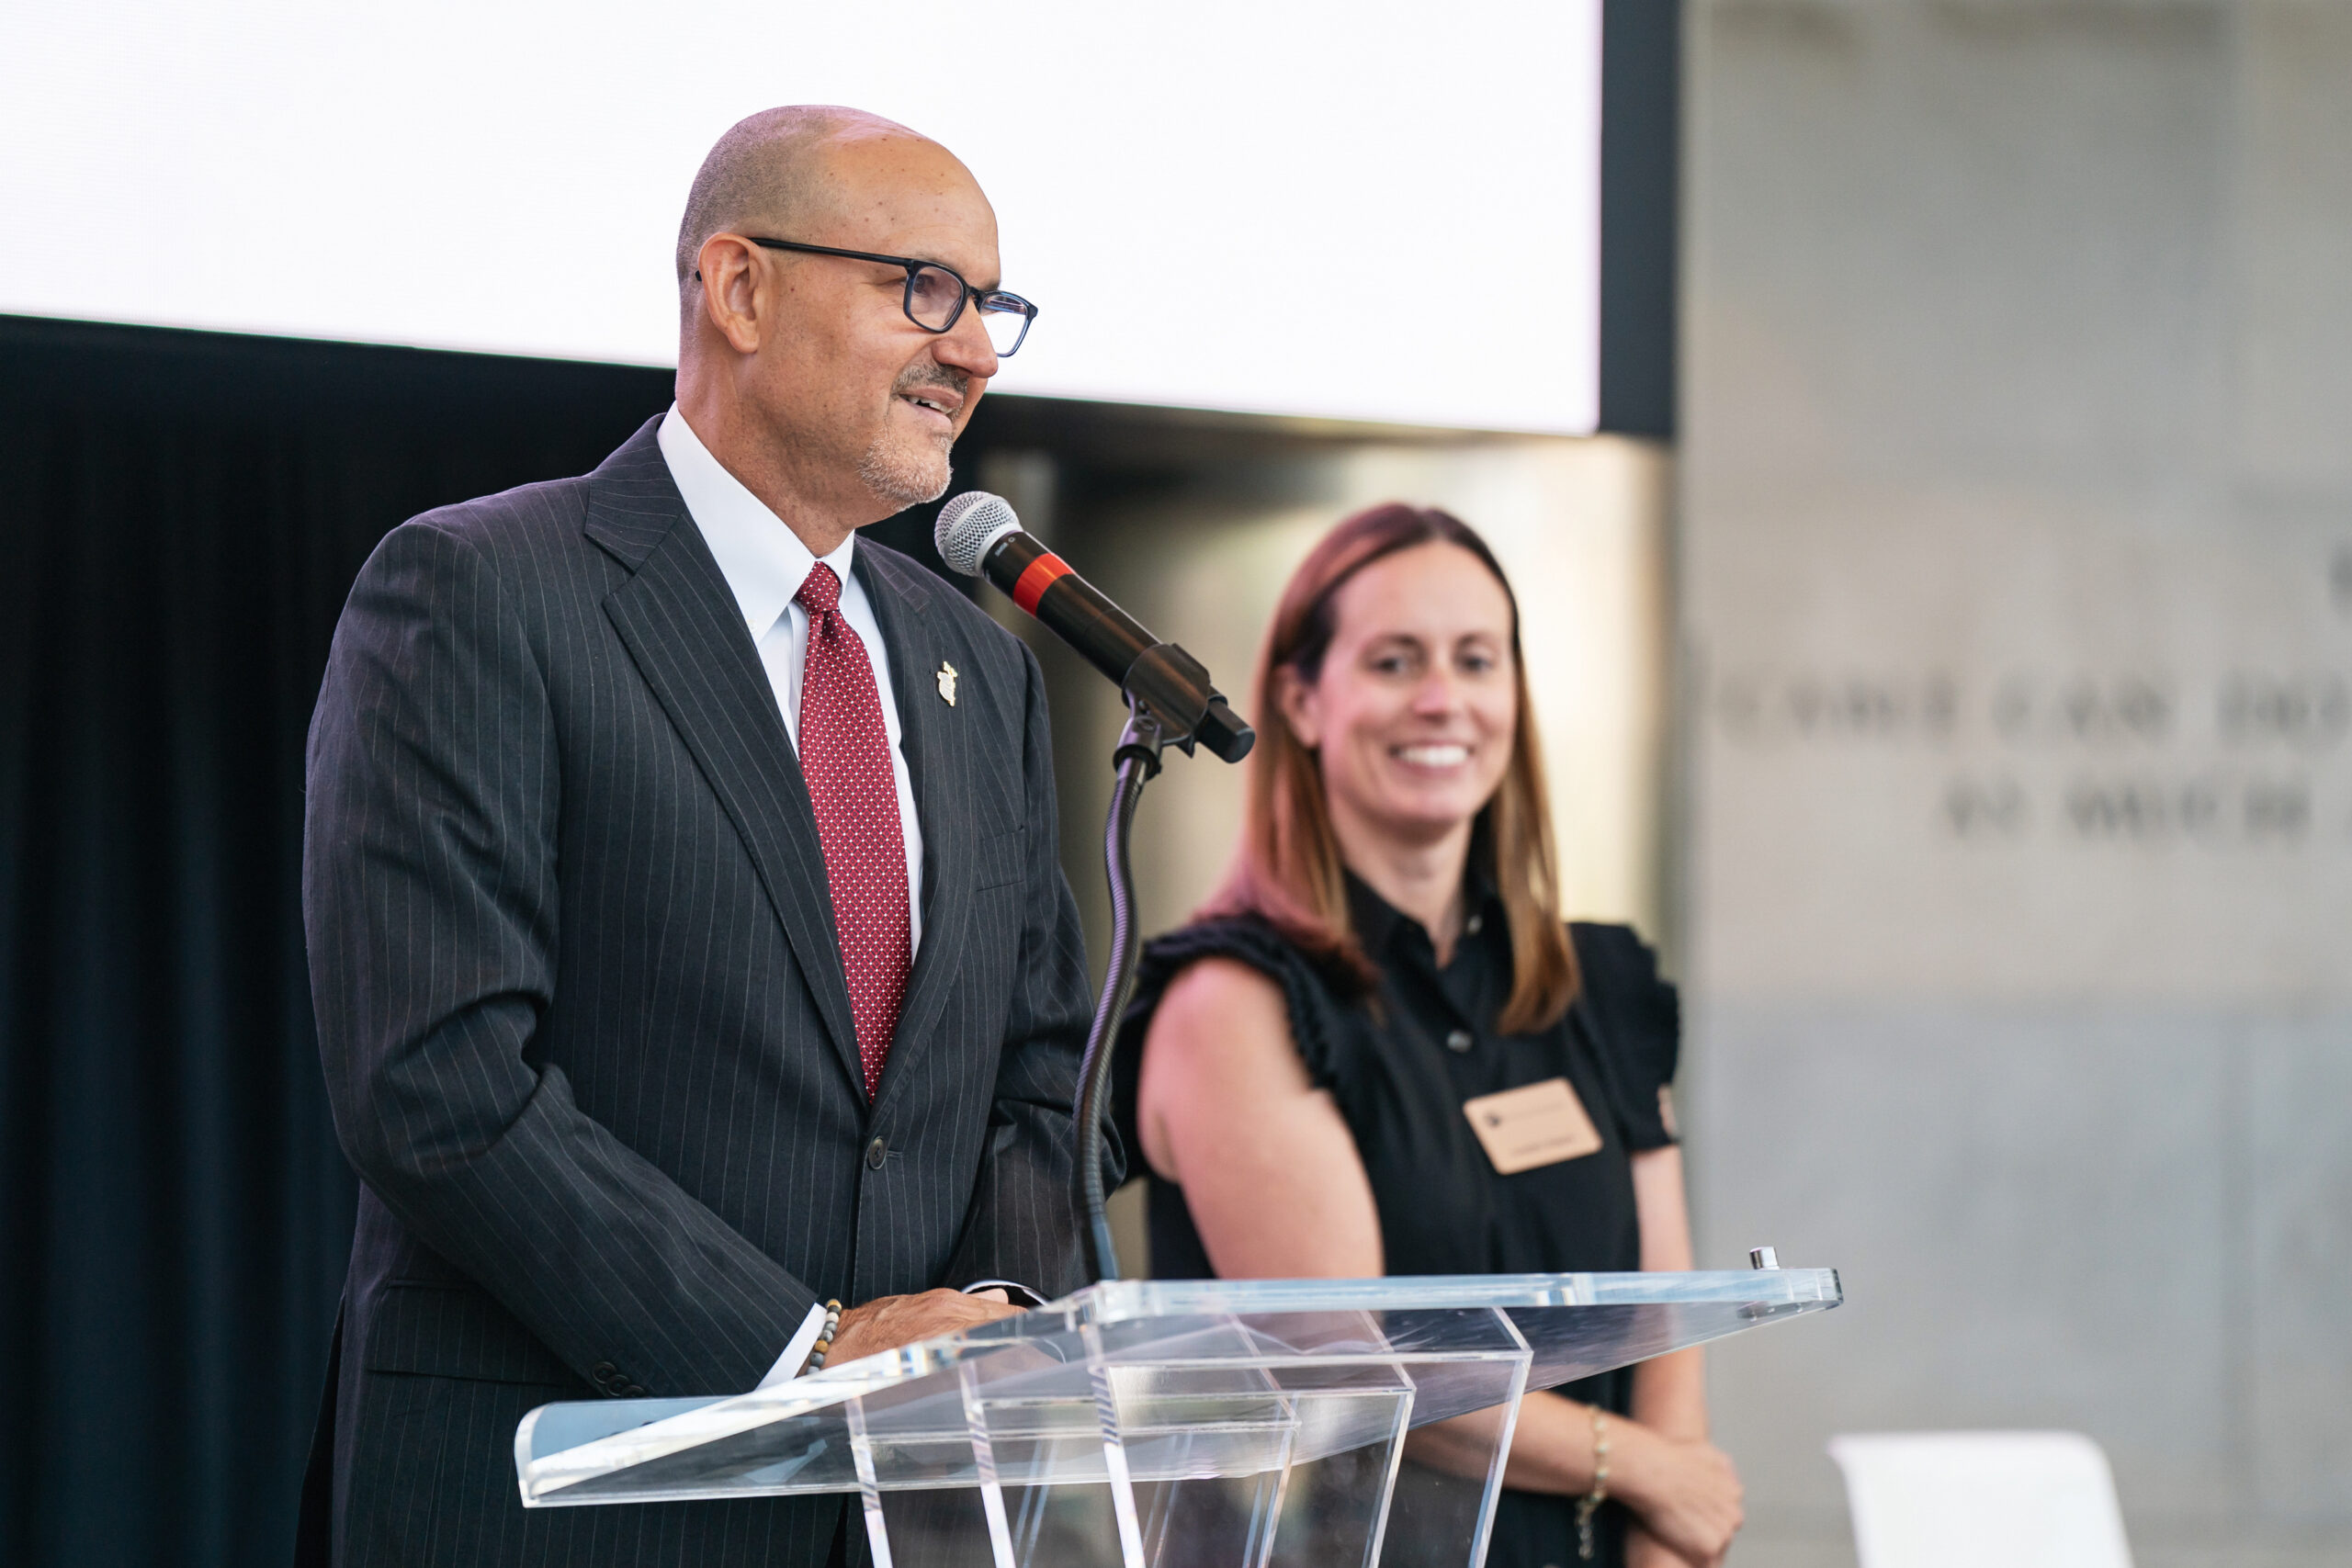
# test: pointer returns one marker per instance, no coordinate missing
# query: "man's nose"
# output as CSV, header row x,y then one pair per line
x,y
966,346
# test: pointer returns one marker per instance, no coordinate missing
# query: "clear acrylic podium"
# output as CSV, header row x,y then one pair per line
x,y
1170,1424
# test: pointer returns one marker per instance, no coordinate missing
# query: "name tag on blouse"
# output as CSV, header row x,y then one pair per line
x,y
1541,1125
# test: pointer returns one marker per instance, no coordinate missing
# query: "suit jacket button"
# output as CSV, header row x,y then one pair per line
x,y
604,1372
875,1152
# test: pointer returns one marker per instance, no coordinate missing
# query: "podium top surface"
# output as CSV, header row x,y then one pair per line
x,y
1121,1300
1190,1374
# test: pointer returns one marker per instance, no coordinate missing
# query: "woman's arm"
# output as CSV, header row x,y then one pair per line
x,y
1669,1392
1682,1489
1269,1168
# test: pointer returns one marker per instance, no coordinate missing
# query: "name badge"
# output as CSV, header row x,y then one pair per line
x,y
1541,1125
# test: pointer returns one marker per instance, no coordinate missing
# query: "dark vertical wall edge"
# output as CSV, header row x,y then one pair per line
x,y
1641,60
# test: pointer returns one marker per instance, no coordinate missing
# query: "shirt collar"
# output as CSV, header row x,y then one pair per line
x,y
763,561
1375,918
1378,923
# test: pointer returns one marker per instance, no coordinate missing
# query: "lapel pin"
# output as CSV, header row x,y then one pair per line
x,y
947,682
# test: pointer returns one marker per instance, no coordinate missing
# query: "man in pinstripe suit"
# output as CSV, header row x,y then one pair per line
x,y
685,934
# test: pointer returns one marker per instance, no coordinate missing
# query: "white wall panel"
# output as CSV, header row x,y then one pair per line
x,y
1353,211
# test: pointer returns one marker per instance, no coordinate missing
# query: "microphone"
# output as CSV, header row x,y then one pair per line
x,y
978,535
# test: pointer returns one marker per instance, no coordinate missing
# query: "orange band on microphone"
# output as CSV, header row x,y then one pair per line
x,y
1041,574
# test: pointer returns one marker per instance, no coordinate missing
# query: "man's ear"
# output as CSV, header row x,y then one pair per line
x,y
1300,707
733,271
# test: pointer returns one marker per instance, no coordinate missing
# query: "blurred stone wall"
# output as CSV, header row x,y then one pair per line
x,y
2015,563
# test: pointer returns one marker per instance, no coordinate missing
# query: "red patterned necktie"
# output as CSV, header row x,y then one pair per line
x,y
845,757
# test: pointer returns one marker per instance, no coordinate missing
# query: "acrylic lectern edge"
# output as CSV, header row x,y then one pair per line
x,y
1128,1300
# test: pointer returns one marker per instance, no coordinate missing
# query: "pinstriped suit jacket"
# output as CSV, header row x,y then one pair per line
x,y
583,1019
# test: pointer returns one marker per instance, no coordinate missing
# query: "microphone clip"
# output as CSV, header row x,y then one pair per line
x,y
1168,696
1175,686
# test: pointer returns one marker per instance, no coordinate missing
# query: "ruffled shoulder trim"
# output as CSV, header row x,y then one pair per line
x,y
1636,1018
1307,994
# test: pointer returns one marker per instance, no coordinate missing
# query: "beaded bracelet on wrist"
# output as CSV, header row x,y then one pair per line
x,y
825,1337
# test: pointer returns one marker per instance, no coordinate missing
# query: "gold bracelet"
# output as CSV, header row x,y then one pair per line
x,y
1590,1504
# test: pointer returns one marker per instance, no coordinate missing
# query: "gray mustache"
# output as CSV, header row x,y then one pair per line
x,y
935,375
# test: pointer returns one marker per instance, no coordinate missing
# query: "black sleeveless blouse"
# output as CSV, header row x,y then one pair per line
x,y
1399,1062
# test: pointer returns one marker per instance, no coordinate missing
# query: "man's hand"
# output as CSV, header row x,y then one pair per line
x,y
887,1321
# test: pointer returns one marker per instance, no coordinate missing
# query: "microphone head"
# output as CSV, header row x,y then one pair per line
x,y
969,527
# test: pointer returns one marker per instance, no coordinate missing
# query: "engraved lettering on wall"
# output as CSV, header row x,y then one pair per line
x,y
2239,759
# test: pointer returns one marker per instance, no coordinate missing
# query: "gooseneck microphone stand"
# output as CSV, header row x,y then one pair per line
x,y
1138,761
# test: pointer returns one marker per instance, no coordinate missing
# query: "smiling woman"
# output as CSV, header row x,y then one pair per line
x,y
1394,658
1380,1050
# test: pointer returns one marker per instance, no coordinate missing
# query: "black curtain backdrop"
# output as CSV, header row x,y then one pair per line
x,y
181,515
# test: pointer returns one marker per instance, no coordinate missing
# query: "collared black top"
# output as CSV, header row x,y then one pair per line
x,y
1400,1060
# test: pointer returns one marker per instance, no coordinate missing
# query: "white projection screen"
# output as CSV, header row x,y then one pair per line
x,y
1364,210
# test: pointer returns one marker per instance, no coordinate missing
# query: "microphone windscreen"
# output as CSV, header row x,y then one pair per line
x,y
968,525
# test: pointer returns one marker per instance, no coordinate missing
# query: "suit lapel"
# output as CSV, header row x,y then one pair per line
x,y
680,625
939,762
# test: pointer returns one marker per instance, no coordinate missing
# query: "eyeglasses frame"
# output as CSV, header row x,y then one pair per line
x,y
1027,312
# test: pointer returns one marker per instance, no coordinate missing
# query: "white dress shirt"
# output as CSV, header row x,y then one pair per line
x,y
764,564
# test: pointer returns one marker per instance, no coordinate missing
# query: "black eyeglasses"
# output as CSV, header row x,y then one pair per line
x,y
936,295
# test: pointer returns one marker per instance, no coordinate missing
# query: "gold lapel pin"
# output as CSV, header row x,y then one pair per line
x,y
947,682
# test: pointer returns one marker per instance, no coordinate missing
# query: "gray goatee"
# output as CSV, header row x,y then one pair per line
x,y
911,475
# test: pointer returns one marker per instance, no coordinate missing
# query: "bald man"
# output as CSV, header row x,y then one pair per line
x,y
685,934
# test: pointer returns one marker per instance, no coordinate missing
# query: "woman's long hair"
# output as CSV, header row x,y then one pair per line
x,y
1288,869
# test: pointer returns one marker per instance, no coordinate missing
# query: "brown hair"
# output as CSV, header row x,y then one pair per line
x,y
1288,869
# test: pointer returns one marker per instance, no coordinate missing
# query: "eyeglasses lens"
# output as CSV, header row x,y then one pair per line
x,y
935,294
932,297
1006,322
